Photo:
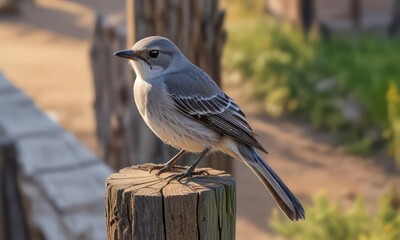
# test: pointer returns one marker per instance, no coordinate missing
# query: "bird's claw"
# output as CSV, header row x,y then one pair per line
x,y
163,168
180,176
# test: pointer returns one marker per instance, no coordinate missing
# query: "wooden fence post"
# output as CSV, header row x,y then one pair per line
x,y
13,223
141,206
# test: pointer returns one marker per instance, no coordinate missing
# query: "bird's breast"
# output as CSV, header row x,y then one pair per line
x,y
160,114
141,91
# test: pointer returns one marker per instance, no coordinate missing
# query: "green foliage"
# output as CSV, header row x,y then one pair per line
x,y
393,98
286,69
326,221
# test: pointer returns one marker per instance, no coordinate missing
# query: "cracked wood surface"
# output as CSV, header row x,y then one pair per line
x,y
141,206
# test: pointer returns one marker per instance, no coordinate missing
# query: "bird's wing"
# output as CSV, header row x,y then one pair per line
x,y
197,96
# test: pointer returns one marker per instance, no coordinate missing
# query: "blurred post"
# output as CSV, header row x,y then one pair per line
x,y
8,6
2,206
395,22
13,225
356,13
112,102
140,205
300,12
307,14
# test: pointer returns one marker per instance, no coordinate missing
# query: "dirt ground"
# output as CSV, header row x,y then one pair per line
x,y
44,51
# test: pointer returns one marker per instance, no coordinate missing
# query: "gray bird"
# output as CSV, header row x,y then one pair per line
x,y
186,109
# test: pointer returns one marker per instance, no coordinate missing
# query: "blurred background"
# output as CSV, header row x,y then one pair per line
x,y
318,80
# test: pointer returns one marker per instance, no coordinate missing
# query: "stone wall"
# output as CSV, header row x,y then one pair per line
x,y
57,185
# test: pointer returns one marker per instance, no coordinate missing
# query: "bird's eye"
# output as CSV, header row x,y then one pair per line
x,y
154,53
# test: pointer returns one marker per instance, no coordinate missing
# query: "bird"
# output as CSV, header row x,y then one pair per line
x,y
186,109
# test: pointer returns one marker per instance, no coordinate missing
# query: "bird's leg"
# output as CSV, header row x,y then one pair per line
x,y
162,168
191,169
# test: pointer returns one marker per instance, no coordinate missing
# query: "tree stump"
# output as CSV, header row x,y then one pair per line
x,y
140,205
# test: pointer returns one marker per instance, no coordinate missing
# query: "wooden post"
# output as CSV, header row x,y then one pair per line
x,y
307,14
8,6
13,221
395,22
2,207
141,206
356,13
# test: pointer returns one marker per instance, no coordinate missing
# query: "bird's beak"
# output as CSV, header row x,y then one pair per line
x,y
129,54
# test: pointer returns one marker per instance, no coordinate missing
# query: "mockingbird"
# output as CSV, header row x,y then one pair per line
x,y
186,109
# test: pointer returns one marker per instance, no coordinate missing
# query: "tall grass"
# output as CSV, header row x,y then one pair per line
x,y
327,221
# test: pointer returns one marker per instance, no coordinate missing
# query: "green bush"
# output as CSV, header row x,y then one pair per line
x,y
393,98
326,221
287,68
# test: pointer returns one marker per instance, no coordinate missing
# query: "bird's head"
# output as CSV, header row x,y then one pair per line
x,y
153,56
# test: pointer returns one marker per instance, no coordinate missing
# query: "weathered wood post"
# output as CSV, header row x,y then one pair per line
x,y
141,206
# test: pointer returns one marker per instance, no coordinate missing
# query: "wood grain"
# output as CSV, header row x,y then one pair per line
x,y
140,205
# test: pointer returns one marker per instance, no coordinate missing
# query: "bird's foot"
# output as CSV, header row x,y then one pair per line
x,y
163,168
180,176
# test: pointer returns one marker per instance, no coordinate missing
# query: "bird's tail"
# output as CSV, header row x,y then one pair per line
x,y
286,200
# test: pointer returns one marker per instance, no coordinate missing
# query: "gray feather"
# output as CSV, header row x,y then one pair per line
x,y
285,199
197,96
